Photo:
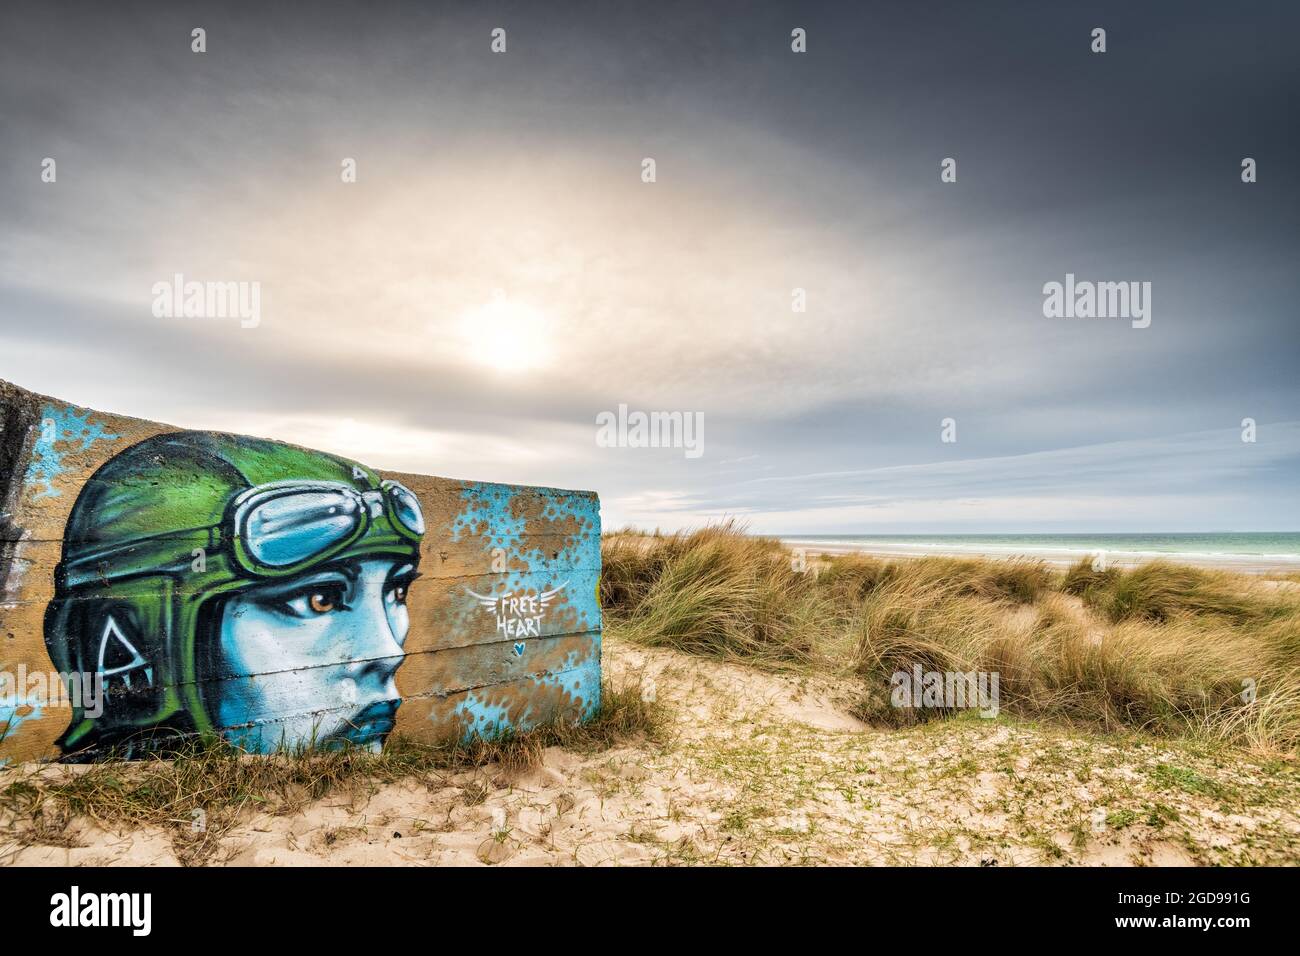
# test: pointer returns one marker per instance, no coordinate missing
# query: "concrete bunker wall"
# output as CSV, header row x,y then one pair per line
x,y
159,584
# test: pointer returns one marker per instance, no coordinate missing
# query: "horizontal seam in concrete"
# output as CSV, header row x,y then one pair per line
x,y
427,695
370,660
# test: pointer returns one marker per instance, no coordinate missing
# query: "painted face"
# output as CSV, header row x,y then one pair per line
x,y
320,652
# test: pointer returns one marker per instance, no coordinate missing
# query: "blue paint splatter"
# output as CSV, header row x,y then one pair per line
x,y
481,719
487,512
491,513
60,425
11,720
489,504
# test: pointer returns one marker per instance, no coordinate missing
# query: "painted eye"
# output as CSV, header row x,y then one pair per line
x,y
315,600
321,602
399,586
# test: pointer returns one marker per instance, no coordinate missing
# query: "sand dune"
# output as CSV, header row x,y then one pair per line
x,y
767,769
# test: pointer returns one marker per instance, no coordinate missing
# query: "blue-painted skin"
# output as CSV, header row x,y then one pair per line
x,y
280,634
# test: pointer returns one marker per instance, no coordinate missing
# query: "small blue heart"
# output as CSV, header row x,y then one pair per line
x,y
519,649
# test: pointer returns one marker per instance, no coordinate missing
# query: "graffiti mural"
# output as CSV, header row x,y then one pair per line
x,y
518,615
208,590
161,585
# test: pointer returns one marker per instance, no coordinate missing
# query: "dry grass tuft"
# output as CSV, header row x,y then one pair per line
x,y
222,782
715,592
1161,648
1161,591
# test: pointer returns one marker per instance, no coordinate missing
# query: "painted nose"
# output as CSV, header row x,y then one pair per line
x,y
377,656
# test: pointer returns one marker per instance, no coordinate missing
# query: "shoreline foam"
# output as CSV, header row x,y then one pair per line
x,y
1244,563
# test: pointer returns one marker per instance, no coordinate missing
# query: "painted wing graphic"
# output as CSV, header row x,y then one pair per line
x,y
546,597
487,602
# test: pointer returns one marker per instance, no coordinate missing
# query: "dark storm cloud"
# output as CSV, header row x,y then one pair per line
x,y
817,170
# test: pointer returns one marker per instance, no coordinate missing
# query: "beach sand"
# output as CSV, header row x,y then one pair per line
x,y
760,769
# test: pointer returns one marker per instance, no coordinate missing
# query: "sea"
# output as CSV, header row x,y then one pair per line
x,y
1248,550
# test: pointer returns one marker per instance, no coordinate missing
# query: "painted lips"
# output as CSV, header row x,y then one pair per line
x,y
370,725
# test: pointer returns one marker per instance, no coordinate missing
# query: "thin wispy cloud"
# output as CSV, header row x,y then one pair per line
x,y
1182,482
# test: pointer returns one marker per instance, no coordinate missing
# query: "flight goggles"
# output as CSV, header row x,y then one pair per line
x,y
275,530
284,526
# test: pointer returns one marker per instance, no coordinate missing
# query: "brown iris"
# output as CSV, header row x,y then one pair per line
x,y
321,602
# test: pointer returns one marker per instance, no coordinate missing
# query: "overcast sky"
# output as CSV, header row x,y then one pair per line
x,y
499,273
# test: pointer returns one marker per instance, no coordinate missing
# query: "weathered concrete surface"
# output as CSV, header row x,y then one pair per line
x,y
223,585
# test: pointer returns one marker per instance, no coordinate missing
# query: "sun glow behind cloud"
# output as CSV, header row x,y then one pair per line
x,y
506,335
382,336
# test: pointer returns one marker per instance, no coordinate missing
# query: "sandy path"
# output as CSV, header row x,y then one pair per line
x,y
772,769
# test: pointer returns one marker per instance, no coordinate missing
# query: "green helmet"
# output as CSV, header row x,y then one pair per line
x,y
167,530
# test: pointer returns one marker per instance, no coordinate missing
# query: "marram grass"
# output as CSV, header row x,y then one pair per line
x,y
38,801
1162,648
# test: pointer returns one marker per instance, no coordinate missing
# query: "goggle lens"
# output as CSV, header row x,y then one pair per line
x,y
293,528
406,507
